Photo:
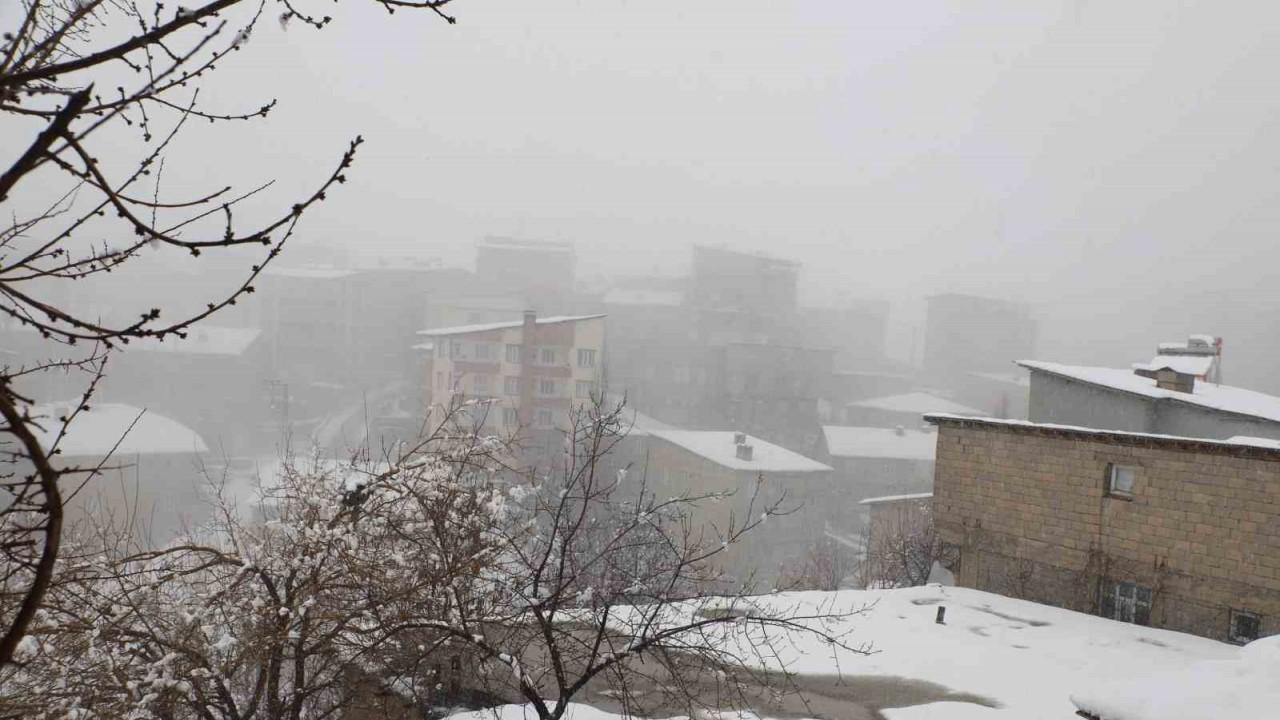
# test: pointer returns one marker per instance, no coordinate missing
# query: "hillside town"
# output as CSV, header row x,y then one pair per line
x,y
704,362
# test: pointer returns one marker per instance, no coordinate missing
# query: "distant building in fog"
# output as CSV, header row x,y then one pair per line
x,y
969,340
696,463
540,273
875,461
1164,402
151,477
534,372
1200,356
747,285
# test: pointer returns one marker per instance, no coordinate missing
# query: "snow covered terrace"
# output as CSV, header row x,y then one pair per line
x,y
851,441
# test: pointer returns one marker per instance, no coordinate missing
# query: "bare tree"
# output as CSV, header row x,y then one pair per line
x,y
903,545
278,614
613,596
84,76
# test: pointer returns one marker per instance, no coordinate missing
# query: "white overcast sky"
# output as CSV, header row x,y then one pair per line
x,y
1114,163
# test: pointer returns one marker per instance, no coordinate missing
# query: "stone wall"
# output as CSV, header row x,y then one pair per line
x,y
1029,509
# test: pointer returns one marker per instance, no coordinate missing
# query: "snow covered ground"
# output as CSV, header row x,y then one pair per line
x,y
1029,660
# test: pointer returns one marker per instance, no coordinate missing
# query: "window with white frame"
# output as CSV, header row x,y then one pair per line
x,y
583,389
546,387
586,358
484,351
455,350
480,385
509,417
511,385
513,354
1127,602
547,356
1120,480
1244,626
543,418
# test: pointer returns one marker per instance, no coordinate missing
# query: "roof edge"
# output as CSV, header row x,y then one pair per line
x,y
1115,437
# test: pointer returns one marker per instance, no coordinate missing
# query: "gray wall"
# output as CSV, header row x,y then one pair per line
x,y
1175,418
1067,402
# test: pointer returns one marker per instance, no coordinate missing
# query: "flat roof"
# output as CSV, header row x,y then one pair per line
x,y
916,402
718,446
1223,398
874,442
487,327
202,340
96,432
1238,445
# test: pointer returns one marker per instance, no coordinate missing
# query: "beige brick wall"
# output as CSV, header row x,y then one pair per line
x,y
1030,512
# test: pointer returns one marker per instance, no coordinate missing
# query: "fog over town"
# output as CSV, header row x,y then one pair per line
x,y
440,358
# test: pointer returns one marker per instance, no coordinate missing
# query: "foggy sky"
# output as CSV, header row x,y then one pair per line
x,y
1114,164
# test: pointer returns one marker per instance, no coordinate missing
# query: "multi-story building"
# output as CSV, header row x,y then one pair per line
x,y
534,373
1173,532
873,462
540,273
1163,401
965,334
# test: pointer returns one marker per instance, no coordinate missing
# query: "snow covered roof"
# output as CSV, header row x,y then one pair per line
x,y
1198,365
487,327
1243,687
1224,398
1239,442
718,446
96,432
895,498
203,340
1019,379
625,296
916,402
873,442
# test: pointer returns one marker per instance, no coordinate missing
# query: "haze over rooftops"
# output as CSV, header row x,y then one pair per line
x,y
916,402
202,340
719,447
96,432
851,441
487,327
1224,398
637,296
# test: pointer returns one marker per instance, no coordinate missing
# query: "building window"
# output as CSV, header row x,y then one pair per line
x,y
511,385
586,358
509,417
547,387
1127,602
543,418
1244,627
583,389
455,349
440,348
480,385
513,354
547,356
484,351
1120,479
439,380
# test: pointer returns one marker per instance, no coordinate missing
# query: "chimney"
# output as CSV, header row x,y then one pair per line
x,y
743,451
899,431
739,438
1170,379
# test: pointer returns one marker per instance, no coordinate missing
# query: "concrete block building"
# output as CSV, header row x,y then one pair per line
x,y
1173,532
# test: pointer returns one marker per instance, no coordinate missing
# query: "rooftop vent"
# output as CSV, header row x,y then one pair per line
x,y
739,438
743,451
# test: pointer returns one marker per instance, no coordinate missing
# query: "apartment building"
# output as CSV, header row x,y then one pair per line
x,y
533,373
1173,532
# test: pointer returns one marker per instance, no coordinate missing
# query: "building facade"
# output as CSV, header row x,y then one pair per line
x,y
872,462
532,374
1177,533
697,463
